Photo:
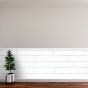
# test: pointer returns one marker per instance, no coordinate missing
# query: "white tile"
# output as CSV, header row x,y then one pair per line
x,y
74,76
62,49
68,52
34,52
78,49
81,64
86,52
37,76
58,64
86,49
70,70
48,64
25,58
35,70
51,58
69,49
34,49
28,64
78,58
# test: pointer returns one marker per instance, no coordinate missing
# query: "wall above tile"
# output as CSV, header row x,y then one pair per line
x,y
43,23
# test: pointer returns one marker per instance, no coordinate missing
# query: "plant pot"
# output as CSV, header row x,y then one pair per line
x,y
10,78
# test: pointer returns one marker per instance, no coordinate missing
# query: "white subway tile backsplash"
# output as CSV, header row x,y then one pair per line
x,y
47,63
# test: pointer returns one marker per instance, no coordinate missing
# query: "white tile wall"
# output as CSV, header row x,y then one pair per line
x,y
47,63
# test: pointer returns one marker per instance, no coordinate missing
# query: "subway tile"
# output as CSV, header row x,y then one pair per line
x,y
28,65
69,52
24,58
68,49
86,52
86,49
62,49
73,76
35,70
58,64
35,52
80,64
37,76
51,58
65,64
70,70
34,49
78,58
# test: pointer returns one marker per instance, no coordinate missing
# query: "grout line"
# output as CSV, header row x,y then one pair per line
x,y
67,60
53,51
35,60
86,68
84,51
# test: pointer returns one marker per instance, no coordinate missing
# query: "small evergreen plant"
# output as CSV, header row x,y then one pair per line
x,y
9,62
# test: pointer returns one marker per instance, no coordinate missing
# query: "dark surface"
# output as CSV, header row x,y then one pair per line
x,y
45,85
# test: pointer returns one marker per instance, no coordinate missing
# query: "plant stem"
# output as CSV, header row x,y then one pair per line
x,y
10,71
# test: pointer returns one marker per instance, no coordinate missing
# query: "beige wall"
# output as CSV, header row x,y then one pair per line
x,y
43,23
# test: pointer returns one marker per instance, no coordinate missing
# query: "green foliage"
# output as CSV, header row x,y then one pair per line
x,y
9,61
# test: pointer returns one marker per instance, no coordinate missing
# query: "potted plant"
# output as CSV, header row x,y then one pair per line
x,y
9,65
